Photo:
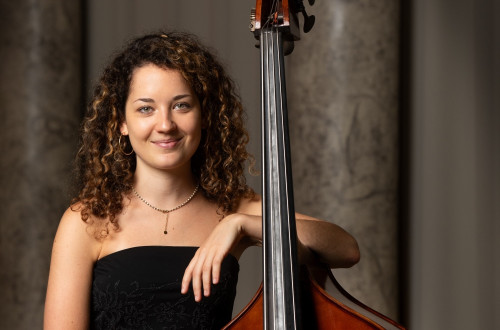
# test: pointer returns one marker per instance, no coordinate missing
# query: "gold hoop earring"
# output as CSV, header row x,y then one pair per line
x,y
121,149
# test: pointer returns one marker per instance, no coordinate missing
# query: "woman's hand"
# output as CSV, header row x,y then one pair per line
x,y
229,236
318,241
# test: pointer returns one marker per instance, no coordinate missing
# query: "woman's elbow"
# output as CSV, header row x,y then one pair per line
x,y
351,254
354,254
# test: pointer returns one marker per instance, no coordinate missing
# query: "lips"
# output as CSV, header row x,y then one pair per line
x,y
167,143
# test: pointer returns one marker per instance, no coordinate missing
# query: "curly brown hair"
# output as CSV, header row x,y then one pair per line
x,y
105,170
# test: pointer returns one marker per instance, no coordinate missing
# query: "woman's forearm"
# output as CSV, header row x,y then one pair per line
x,y
331,244
326,241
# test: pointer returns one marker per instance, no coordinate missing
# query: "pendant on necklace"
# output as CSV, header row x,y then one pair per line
x,y
165,231
166,224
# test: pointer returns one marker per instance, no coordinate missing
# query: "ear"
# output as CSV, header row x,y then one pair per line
x,y
124,128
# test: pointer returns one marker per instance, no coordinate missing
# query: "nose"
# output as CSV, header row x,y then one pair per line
x,y
166,122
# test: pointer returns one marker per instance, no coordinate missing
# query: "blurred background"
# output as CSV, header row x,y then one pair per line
x,y
394,127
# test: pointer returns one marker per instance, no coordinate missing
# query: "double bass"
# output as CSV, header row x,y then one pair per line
x,y
291,296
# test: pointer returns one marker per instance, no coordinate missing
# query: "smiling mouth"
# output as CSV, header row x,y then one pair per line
x,y
167,144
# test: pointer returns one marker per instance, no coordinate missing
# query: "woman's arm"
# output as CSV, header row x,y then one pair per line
x,y
68,291
317,241
329,243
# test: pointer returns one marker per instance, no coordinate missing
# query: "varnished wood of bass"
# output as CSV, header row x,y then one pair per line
x,y
320,310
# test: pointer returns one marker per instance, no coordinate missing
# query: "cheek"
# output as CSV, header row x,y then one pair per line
x,y
195,125
139,128
196,133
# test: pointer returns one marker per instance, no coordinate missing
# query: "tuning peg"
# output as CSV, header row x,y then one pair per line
x,y
252,20
308,21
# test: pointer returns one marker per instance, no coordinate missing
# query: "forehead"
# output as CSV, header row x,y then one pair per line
x,y
150,72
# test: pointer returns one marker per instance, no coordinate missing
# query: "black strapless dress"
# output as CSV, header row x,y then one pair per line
x,y
140,288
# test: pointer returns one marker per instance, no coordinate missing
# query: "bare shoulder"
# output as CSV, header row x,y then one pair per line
x,y
251,206
74,233
68,290
72,215
71,221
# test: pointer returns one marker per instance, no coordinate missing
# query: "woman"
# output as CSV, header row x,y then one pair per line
x,y
163,211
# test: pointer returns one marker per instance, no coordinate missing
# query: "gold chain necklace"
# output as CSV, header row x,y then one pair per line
x,y
167,211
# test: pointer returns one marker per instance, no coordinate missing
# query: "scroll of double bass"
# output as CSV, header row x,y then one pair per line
x,y
289,298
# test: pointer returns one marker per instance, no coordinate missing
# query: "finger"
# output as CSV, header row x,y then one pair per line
x,y
197,274
216,265
207,274
196,282
188,275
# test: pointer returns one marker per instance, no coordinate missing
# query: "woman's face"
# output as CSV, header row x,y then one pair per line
x,y
162,118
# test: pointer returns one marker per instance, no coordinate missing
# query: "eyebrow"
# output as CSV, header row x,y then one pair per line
x,y
178,97
149,100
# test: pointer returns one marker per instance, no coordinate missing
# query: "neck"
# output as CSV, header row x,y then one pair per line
x,y
164,188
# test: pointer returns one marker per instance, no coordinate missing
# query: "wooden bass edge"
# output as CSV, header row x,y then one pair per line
x,y
315,295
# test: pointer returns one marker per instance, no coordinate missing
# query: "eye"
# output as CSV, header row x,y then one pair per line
x,y
145,109
182,106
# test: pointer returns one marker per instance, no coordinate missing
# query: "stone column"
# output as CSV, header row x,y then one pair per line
x,y
343,103
41,98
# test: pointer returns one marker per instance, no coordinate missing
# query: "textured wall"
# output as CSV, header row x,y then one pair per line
x,y
343,103
40,64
